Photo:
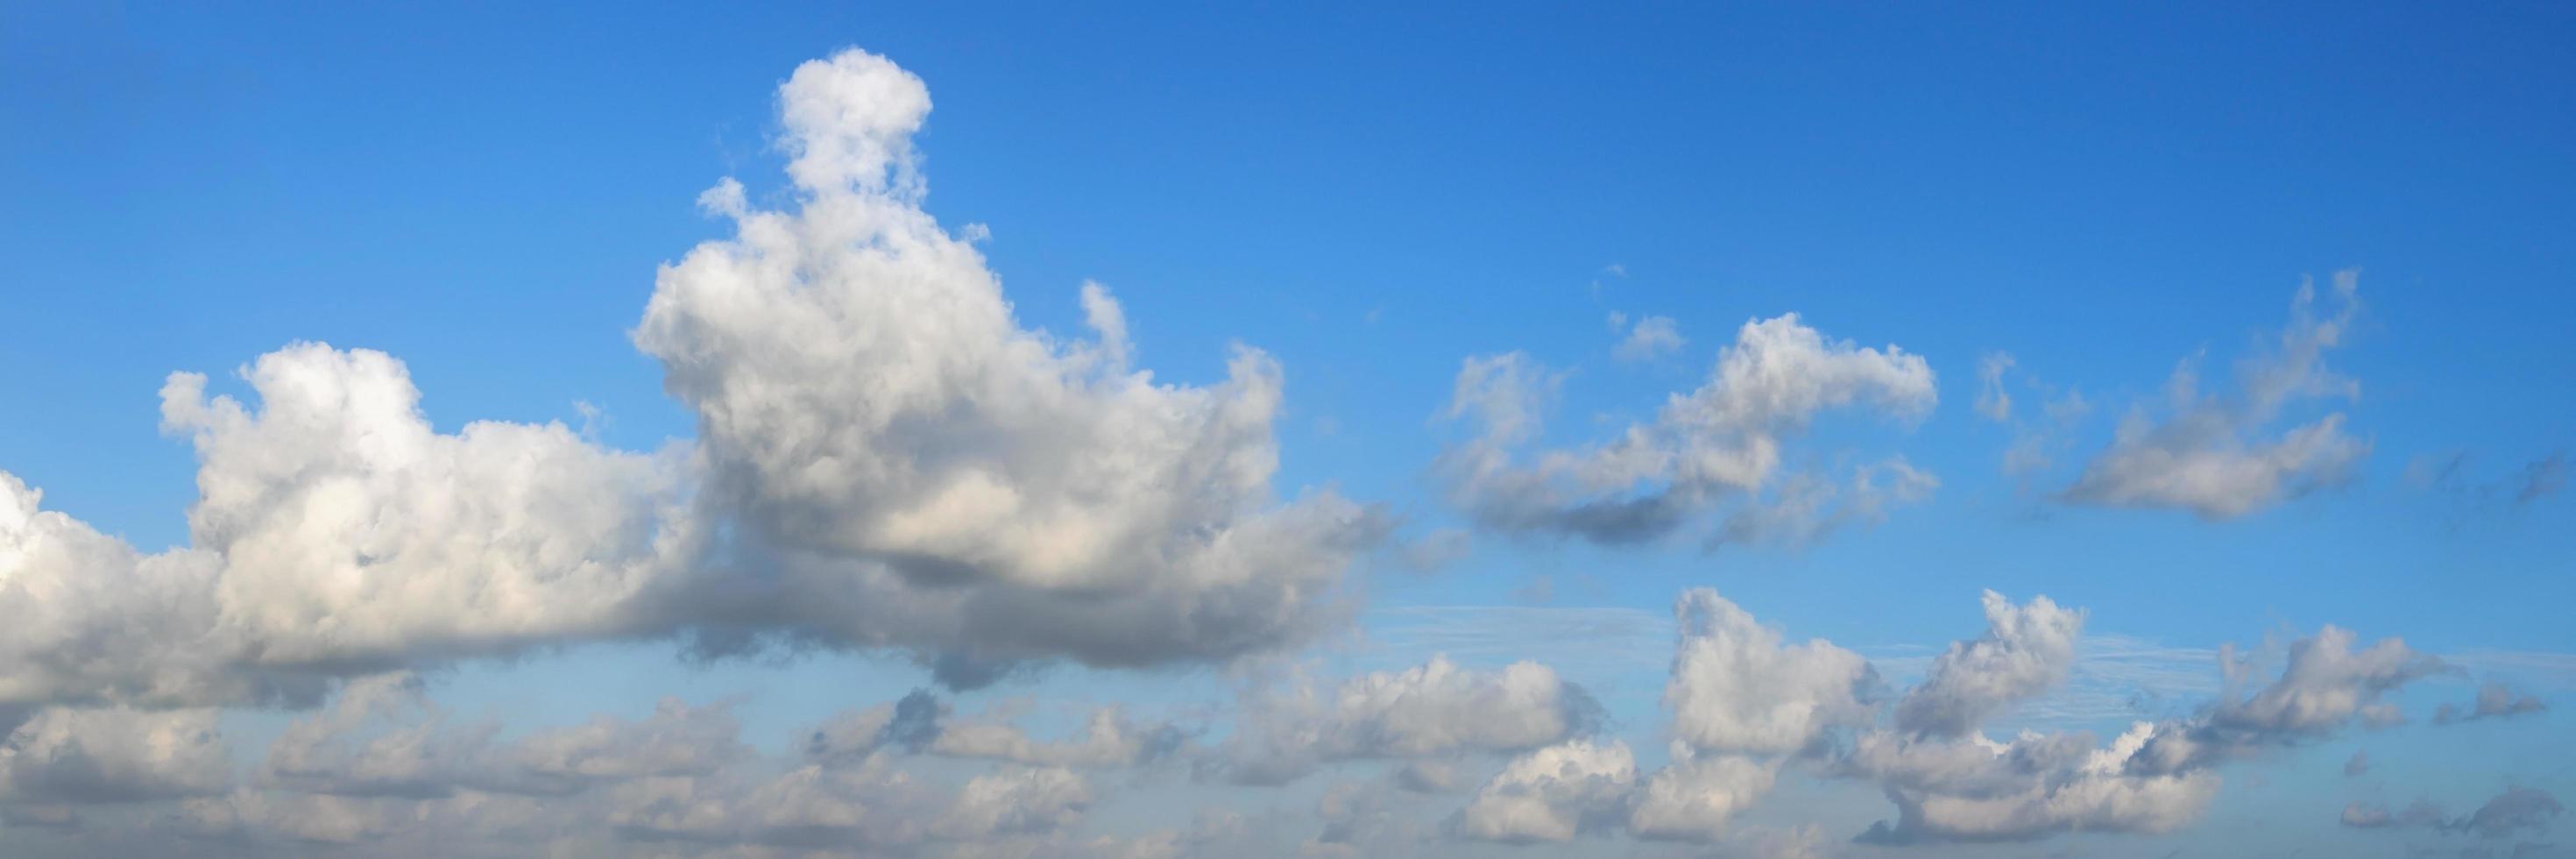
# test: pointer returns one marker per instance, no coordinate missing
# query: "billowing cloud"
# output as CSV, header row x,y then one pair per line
x,y
1724,440
922,471
2026,650
1694,798
1553,793
75,756
886,459
1950,782
1736,687
84,618
353,532
2217,455
2038,784
1431,710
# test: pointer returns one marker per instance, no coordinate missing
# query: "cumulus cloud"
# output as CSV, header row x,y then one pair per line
x,y
2325,687
74,756
1950,782
1432,710
1724,440
2026,650
336,531
1553,793
1695,798
886,459
2218,455
930,473
1736,687
2038,784
2494,701
84,618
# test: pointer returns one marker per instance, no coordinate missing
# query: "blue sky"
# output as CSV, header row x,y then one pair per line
x,y
1374,198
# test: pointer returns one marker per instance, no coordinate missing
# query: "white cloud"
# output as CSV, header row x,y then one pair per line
x,y
69,756
932,474
887,460
1980,790
1736,688
2026,650
352,532
1693,799
85,618
1552,793
1722,440
2212,454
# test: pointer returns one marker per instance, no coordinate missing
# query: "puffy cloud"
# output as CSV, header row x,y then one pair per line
x,y
1723,440
337,532
1434,709
2327,684
1650,337
1980,790
1951,783
1552,793
70,756
2325,687
354,533
2026,650
933,475
1736,688
84,618
2494,701
1694,798
2211,455
886,459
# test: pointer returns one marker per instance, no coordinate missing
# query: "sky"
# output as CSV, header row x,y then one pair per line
x,y
1767,430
